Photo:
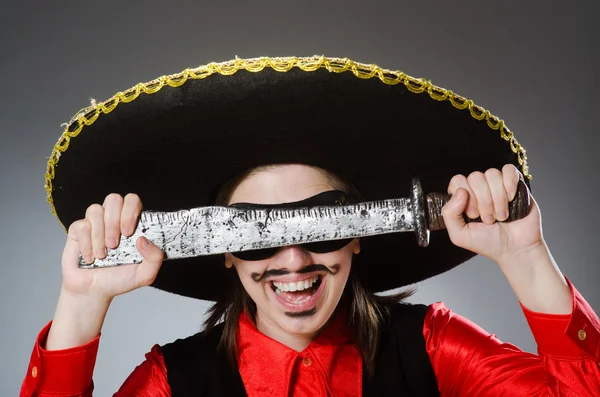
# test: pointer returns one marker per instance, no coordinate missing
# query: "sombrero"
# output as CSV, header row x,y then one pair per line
x,y
177,139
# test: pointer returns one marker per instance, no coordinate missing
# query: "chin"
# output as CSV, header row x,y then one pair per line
x,y
305,323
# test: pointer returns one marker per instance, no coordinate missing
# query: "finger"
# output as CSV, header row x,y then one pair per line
x,y
153,258
499,196
458,182
80,232
132,208
95,215
453,213
113,204
511,176
481,190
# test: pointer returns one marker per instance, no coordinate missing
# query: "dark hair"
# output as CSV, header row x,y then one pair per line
x,y
367,311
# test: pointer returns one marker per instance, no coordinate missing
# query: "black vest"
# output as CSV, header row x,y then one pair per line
x,y
403,368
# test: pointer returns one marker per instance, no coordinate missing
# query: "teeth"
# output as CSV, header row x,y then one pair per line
x,y
297,286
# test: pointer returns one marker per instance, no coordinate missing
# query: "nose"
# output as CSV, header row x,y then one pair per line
x,y
292,258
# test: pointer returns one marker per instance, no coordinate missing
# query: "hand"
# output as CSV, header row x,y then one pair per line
x,y
102,228
487,196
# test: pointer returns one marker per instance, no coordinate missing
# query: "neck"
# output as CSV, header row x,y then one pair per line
x,y
297,342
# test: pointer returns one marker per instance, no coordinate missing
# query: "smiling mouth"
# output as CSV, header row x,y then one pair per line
x,y
297,293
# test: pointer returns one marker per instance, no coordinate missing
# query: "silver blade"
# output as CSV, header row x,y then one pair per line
x,y
216,230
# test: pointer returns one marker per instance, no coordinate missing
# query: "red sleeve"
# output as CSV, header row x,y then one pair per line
x,y
468,361
68,373
149,379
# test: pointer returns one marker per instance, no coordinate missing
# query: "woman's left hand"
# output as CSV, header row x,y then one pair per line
x,y
487,195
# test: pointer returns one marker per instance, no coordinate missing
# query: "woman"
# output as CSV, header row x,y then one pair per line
x,y
303,319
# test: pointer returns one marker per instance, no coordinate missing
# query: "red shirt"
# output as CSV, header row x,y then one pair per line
x,y
466,360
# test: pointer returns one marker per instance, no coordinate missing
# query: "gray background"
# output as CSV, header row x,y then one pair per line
x,y
534,64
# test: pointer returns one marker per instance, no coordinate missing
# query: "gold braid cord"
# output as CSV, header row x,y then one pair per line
x,y
88,116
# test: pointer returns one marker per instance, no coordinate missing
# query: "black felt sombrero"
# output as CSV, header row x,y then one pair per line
x,y
175,140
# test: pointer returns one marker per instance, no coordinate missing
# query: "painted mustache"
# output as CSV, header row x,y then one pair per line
x,y
308,269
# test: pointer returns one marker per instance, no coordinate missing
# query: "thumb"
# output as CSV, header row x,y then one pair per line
x,y
70,255
153,258
453,211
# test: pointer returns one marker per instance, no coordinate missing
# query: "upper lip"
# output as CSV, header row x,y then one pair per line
x,y
294,278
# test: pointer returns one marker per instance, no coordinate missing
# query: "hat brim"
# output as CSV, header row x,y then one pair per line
x,y
176,140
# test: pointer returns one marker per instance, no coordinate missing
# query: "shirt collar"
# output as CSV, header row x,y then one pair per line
x,y
266,365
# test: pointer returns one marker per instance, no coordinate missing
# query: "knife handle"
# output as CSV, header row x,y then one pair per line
x,y
428,210
518,208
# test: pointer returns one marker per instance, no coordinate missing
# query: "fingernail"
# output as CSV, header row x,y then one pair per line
x,y
489,219
458,195
144,243
113,242
472,213
501,215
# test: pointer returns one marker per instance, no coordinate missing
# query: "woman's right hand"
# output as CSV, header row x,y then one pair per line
x,y
102,228
86,294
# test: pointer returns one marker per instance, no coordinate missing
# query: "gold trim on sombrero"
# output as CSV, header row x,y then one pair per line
x,y
88,116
